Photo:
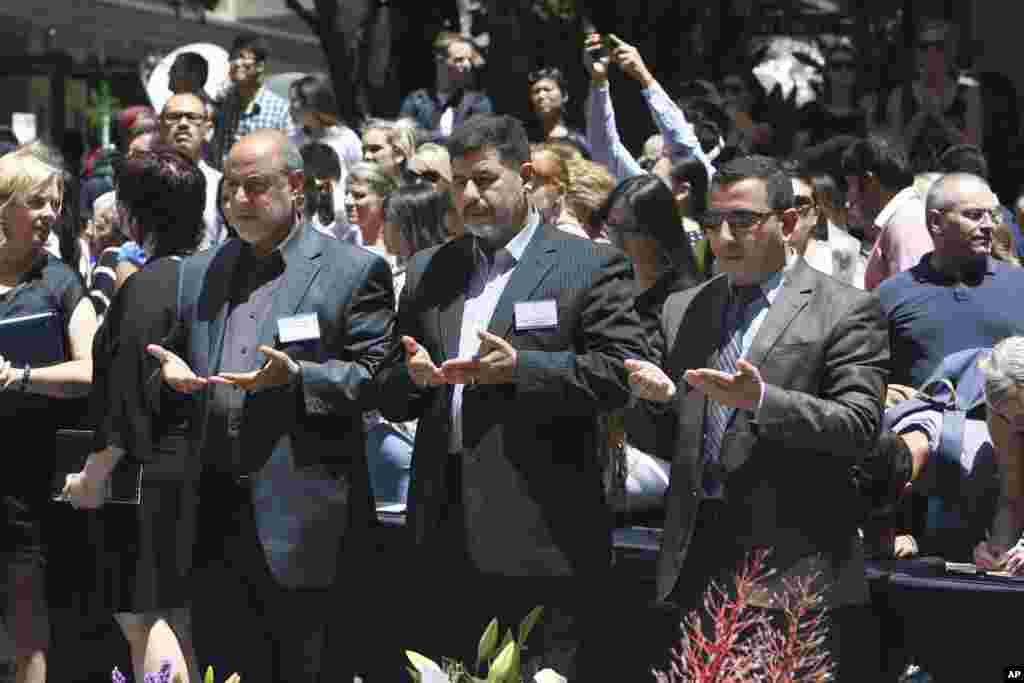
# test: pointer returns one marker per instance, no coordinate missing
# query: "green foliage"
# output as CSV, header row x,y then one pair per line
x,y
503,660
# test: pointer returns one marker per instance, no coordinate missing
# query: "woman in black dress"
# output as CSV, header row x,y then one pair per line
x,y
34,282
146,547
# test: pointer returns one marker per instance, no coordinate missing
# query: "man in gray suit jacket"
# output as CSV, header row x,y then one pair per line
x,y
785,371
279,440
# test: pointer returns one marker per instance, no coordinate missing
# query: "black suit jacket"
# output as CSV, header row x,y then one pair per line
x,y
530,500
823,352
305,444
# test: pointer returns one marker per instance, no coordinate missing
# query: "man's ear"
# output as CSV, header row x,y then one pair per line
x,y
790,219
297,184
933,219
526,171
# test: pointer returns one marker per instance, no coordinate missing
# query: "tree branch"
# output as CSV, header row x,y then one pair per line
x,y
306,15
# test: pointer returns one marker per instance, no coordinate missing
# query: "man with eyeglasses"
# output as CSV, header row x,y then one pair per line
x,y
283,330
957,297
824,245
185,125
771,386
247,105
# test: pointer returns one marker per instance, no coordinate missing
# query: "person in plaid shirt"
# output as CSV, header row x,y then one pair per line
x,y
247,105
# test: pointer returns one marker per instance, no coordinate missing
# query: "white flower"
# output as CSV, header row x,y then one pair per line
x,y
549,676
429,671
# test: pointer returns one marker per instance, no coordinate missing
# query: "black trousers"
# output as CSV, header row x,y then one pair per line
x,y
243,620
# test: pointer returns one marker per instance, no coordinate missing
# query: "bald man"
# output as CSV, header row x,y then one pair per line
x,y
957,297
284,329
185,125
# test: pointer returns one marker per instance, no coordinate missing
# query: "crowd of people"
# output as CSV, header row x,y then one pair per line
x,y
521,335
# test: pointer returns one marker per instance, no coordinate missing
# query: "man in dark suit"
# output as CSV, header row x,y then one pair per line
x,y
509,341
784,370
284,488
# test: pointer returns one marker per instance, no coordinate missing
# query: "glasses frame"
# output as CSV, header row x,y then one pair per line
x,y
738,231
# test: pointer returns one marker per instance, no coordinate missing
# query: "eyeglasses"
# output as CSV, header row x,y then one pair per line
x,y
741,221
427,174
253,187
175,116
804,205
976,216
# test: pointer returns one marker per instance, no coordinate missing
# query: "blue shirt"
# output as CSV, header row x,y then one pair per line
x,y
931,316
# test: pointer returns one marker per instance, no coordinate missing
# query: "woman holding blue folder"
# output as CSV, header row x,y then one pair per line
x,y
34,283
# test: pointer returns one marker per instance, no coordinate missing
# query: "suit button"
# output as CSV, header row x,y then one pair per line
x,y
693,493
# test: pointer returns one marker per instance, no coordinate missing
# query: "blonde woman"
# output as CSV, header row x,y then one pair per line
x,y
33,281
590,184
389,144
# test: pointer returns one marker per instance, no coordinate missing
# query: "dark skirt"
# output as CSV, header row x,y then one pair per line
x,y
127,558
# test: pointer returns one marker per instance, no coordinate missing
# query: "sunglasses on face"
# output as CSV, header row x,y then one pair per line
x,y
173,117
741,221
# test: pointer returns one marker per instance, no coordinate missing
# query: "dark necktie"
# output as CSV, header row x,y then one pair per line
x,y
719,415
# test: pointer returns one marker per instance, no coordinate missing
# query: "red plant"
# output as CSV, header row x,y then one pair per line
x,y
742,645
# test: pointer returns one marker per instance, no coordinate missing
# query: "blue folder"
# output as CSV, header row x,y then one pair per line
x,y
36,340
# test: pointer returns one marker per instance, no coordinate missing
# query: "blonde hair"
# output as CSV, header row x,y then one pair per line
x,y
26,170
379,182
563,176
400,134
436,158
1003,247
590,183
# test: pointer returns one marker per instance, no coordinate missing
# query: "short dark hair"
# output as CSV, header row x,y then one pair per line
x,y
188,65
320,161
686,167
882,156
419,211
651,212
165,194
964,159
766,169
504,133
549,73
255,44
316,92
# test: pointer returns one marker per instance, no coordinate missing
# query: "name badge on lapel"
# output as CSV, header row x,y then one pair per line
x,y
536,315
298,328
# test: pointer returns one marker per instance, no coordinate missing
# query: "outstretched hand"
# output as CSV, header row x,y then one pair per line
x,y
279,371
420,366
741,390
648,382
175,372
494,363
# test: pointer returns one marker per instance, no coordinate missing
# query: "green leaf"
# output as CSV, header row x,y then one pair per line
x,y
503,664
504,641
528,623
487,643
208,678
413,674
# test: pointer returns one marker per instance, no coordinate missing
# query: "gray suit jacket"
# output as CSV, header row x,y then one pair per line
x,y
304,444
823,351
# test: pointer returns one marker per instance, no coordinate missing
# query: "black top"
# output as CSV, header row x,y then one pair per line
x,y
50,285
142,313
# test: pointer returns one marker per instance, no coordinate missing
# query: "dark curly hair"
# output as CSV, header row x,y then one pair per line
x,y
165,195
549,73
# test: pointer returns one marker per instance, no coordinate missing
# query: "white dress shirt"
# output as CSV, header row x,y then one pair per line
x,y
485,288
215,232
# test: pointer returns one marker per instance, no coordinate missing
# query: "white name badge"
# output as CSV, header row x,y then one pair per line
x,y
298,328
536,315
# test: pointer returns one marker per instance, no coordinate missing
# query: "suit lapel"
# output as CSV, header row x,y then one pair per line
x,y
796,292
538,259
218,292
301,266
